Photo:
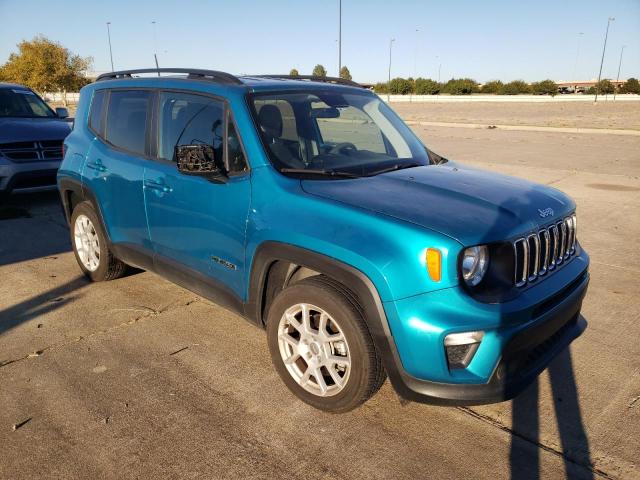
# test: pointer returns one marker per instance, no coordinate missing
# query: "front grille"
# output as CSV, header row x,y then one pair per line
x,y
542,252
32,151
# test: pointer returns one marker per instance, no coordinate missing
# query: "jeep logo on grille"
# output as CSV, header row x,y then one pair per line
x,y
547,212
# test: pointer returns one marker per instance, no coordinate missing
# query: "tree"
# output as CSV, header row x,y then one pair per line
x,y
46,66
460,86
400,86
319,71
492,86
604,86
631,86
381,87
426,86
345,73
545,87
294,72
515,88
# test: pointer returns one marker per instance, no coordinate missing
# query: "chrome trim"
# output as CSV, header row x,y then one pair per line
x,y
569,227
521,270
545,258
536,258
562,233
563,240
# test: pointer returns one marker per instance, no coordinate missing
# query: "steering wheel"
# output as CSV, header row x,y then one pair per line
x,y
339,148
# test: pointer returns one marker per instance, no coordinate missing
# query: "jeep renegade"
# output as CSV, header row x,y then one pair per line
x,y
308,207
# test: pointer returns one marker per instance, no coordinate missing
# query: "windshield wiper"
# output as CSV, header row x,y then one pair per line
x,y
325,173
393,168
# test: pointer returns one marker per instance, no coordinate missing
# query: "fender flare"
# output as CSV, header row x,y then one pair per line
x,y
66,185
353,279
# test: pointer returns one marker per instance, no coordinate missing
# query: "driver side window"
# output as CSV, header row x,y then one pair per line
x,y
187,119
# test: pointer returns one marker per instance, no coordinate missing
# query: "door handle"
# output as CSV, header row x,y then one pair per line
x,y
97,165
161,187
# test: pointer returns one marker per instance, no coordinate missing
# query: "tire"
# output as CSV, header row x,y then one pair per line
x,y
86,229
351,372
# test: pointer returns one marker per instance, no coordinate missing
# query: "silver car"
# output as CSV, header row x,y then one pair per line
x,y
31,139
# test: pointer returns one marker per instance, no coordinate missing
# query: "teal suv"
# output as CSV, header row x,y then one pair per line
x,y
308,207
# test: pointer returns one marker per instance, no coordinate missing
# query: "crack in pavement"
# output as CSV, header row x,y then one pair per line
x,y
148,313
497,424
564,177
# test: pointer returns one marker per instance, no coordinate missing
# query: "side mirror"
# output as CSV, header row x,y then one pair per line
x,y
62,112
198,160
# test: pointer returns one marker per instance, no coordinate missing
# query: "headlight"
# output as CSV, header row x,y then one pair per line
x,y
474,264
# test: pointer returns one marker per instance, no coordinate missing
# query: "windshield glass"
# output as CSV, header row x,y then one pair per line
x,y
20,102
331,132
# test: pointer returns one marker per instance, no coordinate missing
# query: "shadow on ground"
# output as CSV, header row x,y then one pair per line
x,y
32,225
41,304
526,425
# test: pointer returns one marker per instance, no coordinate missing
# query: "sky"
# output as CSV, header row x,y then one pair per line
x,y
484,40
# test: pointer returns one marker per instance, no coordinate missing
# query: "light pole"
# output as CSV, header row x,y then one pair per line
x,y
415,56
110,52
604,48
439,66
575,65
615,87
389,84
339,36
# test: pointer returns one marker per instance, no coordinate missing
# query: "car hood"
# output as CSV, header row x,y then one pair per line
x,y
15,129
470,205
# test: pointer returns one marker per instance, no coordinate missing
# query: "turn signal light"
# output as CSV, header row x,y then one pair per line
x,y
434,264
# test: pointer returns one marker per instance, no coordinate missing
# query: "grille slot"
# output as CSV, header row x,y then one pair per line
x,y
32,151
541,252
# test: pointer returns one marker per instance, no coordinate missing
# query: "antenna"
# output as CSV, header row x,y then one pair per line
x,y
155,46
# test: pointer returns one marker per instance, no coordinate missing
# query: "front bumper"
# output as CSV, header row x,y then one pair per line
x,y
27,175
521,338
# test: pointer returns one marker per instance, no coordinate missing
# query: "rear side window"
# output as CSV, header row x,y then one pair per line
x,y
127,119
97,108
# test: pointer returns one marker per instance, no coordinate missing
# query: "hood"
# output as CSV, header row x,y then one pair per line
x,y
16,129
472,206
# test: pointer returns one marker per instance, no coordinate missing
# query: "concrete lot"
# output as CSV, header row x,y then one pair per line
x,y
138,378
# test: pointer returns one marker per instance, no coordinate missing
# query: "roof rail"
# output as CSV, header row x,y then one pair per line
x,y
195,74
313,78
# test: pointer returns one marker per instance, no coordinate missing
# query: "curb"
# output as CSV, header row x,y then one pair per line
x,y
529,128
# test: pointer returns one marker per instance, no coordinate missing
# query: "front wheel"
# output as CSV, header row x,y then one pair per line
x,y
321,347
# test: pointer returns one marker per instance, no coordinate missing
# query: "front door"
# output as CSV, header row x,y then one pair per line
x,y
197,227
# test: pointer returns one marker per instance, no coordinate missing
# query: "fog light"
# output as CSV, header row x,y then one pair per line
x,y
461,348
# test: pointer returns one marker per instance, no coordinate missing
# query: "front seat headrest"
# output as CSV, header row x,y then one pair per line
x,y
270,120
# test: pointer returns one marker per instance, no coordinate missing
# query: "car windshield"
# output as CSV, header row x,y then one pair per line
x,y
21,102
335,134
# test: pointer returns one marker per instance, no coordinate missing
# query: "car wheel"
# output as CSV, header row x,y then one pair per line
x,y
90,246
321,346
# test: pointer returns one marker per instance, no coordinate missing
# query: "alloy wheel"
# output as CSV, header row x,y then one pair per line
x,y
314,349
87,243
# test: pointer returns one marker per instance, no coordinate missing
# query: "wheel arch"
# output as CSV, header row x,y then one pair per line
x,y
280,256
73,192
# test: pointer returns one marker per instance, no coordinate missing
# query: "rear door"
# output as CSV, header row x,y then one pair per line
x,y
197,226
115,164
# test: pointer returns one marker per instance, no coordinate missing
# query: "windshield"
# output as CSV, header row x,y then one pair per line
x,y
21,102
335,134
